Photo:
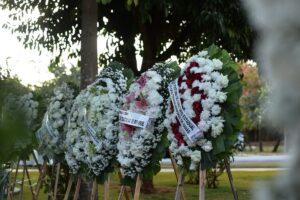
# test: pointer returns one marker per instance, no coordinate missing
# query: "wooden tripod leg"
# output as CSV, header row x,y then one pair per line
x,y
179,187
36,162
11,192
76,195
56,181
22,181
123,188
202,177
94,189
137,190
40,179
70,183
29,181
176,173
230,177
121,192
106,188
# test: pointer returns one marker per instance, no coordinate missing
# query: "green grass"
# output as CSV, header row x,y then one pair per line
x,y
268,148
165,183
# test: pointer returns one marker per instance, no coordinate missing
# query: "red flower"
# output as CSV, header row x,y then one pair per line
x,y
188,69
203,96
127,128
189,82
141,104
180,81
197,76
177,134
197,106
130,97
142,81
196,119
182,91
172,107
194,64
195,90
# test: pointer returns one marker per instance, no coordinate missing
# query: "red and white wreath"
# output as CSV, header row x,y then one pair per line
x,y
200,89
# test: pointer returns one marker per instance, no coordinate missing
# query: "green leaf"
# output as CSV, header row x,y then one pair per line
x,y
218,144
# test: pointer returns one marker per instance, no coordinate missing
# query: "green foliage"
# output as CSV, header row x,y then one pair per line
x,y
254,94
16,138
224,143
164,27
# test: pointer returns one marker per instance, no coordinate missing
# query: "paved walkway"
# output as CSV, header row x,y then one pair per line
x,y
242,169
250,159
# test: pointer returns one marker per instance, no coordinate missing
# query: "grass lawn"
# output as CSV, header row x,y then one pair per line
x,y
267,150
165,184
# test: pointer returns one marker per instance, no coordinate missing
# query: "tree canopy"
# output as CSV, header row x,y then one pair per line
x,y
162,27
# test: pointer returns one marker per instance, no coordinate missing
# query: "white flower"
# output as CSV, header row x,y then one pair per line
x,y
187,94
202,53
216,110
193,166
206,77
203,126
56,105
196,156
184,86
205,114
207,104
217,64
196,83
208,68
222,80
154,98
207,146
216,126
212,93
221,96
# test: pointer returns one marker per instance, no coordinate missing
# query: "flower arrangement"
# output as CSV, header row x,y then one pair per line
x,y
55,123
93,130
207,100
29,107
142,138
21,112
26,105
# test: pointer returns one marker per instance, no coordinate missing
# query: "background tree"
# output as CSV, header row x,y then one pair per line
x,y
254,94
161,28
153,29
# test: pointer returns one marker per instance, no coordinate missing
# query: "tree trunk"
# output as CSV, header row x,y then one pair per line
x,y
147,187
261,148
88,42
277,144
129,58
149,54
88,63
149,59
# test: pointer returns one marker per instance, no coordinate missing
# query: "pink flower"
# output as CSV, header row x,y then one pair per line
x,y
127,128
141,104
130,97
142,81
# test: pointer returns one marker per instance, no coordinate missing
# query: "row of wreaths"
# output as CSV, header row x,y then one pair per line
x,y
129,123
